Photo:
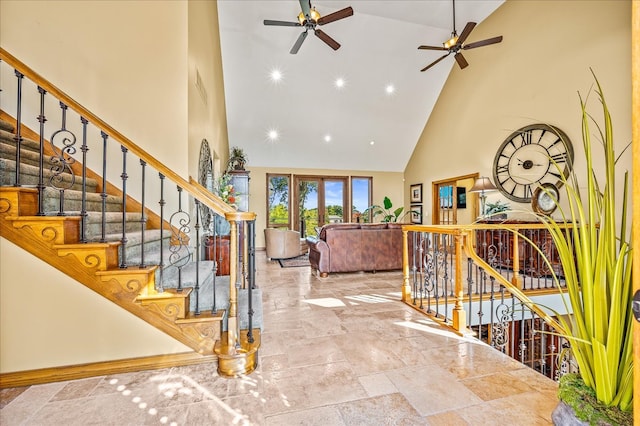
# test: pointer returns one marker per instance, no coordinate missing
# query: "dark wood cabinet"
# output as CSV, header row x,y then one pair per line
x,y
219,247
496,247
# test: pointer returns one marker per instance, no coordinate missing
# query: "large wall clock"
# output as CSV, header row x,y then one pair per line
x,y
529,157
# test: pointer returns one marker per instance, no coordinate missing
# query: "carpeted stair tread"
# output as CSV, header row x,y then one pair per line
x,y
29,175
8,137
73,201
113,223
27,156
222,298
6,126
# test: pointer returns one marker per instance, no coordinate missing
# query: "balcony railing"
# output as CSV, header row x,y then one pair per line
x,y
501,283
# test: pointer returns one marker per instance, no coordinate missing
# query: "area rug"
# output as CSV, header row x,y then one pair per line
x,y
295,261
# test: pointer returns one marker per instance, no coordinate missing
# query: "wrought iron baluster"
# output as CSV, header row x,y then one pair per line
x,y
103,194
123,240
41,119
482,283
18,135
180,255
251,240
143,219
62,159
212,241
197,227
470,270
522,350
83,209
159,280
543,349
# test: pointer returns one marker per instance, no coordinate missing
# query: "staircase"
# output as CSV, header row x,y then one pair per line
x,y
56,208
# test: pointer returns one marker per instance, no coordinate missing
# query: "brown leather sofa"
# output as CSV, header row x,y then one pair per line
x,y
352,247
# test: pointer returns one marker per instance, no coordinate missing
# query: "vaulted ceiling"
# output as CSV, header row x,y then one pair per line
x,y
374,120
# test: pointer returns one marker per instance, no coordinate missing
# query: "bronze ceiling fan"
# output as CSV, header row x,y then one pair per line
x,y
456,43
309,18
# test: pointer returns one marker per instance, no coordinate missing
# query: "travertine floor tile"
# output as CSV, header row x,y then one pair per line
x,y
338,351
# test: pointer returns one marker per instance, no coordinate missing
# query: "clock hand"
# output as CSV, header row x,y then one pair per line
x,y
527,164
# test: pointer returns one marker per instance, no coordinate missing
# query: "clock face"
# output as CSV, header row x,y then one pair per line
x,y
545,199
531,156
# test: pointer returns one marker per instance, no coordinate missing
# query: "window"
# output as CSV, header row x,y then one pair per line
x,y
360,199
278,207
306,202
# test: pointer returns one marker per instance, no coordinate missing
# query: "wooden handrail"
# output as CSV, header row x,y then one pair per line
x,y
202,194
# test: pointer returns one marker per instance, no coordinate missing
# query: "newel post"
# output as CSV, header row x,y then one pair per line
x,y
232,324
459,316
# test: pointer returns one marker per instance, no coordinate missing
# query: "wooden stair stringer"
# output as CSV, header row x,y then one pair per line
x,y
95,266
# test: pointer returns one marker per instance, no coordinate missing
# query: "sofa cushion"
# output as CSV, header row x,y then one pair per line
x,y
341,226
371,226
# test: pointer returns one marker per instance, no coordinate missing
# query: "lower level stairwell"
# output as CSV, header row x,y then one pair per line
x,y
146,263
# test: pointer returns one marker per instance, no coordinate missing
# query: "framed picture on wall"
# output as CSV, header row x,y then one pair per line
x,y
416,193
462,197
416,214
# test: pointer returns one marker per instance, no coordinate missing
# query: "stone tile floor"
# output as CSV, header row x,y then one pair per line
x,y
342,350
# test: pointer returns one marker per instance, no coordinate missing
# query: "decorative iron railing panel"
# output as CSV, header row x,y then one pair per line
x,y
484,296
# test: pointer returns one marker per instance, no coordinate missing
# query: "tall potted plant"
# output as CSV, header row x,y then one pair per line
x,y
595,250
388,215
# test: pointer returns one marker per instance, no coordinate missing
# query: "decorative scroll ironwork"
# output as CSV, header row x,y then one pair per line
x,y
180,253
62,159
500,328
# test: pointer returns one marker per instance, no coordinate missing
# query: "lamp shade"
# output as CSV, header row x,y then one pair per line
x,y
482,184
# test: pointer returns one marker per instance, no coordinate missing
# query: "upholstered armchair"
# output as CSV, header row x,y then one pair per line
x,y
282,243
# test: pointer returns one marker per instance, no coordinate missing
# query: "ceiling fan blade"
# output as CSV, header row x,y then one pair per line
x,y
432,48
305,5
482,43
465,33
281,23
461,60
340,14
298,43
434,62
324,37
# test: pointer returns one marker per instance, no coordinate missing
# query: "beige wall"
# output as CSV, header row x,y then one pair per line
x,y
118,59
533,76
384,184
207,114
49,320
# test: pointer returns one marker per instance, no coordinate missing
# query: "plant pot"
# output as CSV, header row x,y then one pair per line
x,y
575,395
563,415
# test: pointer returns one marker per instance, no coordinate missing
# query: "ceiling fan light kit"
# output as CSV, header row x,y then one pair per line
x,y
456,43
310,18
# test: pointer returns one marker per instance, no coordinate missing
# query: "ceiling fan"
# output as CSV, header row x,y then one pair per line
x,y
455,43
309,18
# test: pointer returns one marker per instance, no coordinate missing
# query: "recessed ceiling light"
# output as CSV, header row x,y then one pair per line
x,y
327,138
340,82
276,75
372,143
390,89
273,134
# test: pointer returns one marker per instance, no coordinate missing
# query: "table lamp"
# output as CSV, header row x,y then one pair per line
x,y
482,185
